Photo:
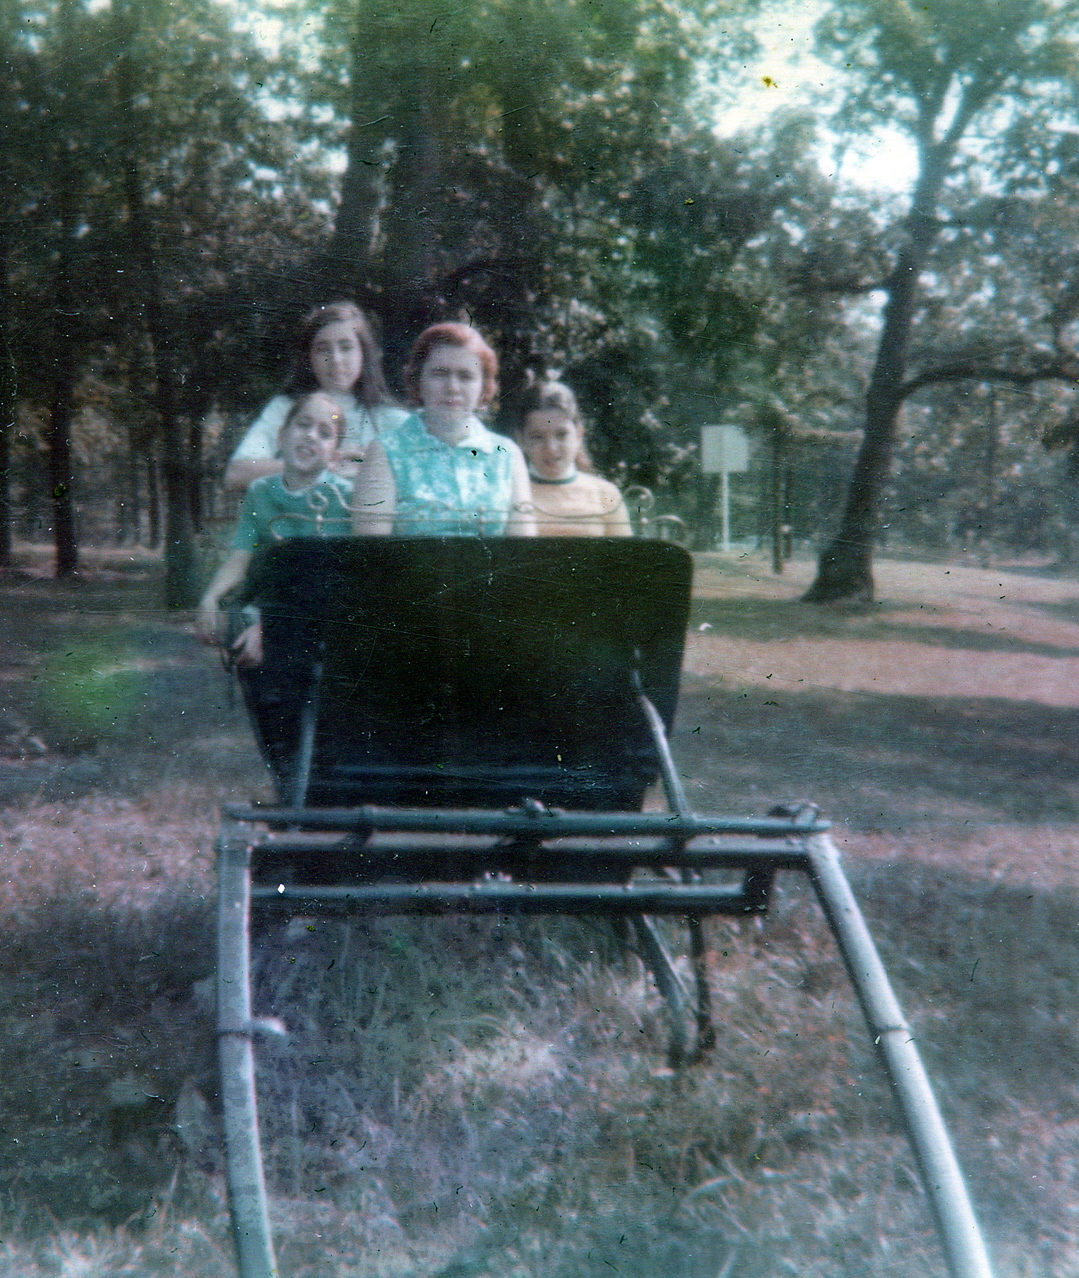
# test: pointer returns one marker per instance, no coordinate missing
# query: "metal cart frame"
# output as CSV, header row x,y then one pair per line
x,y
337,616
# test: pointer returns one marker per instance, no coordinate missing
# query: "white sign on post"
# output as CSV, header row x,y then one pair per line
x,y
724,450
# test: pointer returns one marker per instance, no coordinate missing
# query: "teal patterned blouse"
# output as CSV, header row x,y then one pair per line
x,y
449,490
271,512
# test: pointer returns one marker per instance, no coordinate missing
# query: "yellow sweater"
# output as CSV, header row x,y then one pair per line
x,y
585,506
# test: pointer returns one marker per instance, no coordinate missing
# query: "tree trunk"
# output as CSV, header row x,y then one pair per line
x,y
401,295
845,569
62,409
8,402
194,470
153,501
347,268
133,502
777,501
989,481
60,471
704,523
8,385
181,566
410,251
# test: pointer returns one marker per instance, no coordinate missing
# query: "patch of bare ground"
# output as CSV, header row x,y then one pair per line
x,y
488,1097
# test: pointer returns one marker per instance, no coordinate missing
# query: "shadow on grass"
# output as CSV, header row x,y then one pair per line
x,y
1062,610
880,761
761,620
98,1031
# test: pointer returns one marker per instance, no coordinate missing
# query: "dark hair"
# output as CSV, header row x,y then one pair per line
x,y
297,406
371,385
451,334
549,396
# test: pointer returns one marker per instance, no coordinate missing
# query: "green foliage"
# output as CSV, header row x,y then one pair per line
x,y
947,75
548,170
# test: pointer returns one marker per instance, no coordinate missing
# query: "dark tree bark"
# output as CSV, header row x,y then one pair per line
x,y
62,407
64,332
845,570
346,269
989,479
410,248
8,379
778,496
61,413
8,401
153,501
181,560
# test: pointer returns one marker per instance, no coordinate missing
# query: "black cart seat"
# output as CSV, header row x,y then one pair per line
x,y
462,672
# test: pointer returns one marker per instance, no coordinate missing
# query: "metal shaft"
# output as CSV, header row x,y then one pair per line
x,y
247,1185
944,1186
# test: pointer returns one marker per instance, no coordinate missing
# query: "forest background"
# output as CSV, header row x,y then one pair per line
x,y
179,182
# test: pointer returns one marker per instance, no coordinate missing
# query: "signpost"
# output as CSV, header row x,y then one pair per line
x,y
724,451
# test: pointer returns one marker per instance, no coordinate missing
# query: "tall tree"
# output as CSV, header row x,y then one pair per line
x,y
66,76
935,70
15,64
471,123
181,584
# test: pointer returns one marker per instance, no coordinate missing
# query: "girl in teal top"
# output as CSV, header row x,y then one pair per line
x,y
441,472
305,500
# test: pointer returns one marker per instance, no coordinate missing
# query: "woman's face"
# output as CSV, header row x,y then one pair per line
x,y
551,441
451,383
336,357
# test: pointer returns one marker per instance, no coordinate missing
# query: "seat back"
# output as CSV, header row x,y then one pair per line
x,y
464,672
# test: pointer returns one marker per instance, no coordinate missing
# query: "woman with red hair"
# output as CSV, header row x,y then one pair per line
x,y
441,472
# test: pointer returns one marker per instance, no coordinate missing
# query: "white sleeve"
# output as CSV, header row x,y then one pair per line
x,y
260,442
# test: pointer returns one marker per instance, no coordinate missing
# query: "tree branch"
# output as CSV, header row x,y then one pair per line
x,y
1062,370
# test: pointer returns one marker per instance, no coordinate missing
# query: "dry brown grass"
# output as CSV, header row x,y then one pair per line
x,y
463,1097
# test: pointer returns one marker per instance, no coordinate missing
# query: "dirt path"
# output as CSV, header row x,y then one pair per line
x,y
943,730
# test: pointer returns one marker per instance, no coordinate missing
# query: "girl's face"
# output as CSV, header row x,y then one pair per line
x,y
336,357
451,383
308,441
551,441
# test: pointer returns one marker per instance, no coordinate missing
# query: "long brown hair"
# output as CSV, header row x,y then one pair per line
x,y
370,388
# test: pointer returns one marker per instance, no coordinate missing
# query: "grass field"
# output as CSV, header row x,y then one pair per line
x,y
474,1097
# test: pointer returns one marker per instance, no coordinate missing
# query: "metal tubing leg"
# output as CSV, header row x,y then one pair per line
x,y
305,755
941,1176
659,963
698,948
243,1156
679,803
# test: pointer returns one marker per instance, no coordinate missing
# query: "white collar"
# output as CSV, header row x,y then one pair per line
x,y
476,435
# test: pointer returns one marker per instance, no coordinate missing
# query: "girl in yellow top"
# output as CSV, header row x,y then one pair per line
x,y
569,500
